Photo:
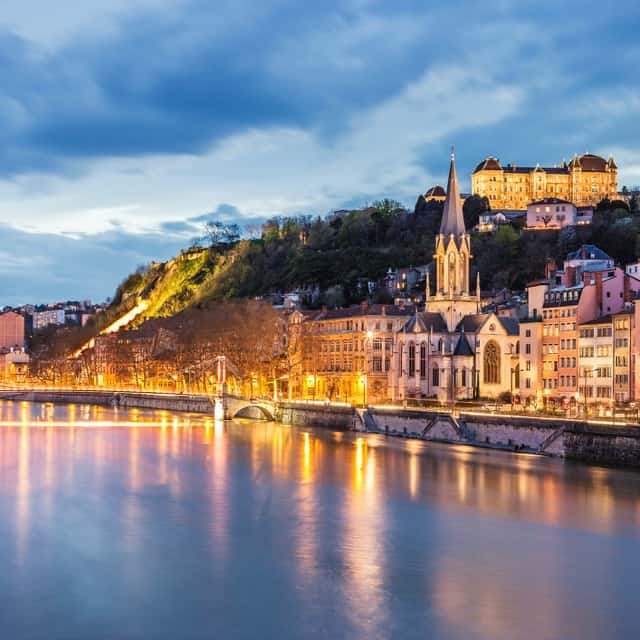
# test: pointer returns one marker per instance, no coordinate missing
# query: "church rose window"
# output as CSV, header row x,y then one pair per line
x,y
491,363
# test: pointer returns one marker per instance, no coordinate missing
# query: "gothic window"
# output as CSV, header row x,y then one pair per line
x,y
423,360
436,377
412,360
452,272
463,377
491,363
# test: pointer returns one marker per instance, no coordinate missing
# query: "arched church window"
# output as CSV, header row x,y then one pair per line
x,y
435,380
412,359
491,363
452,271
423,360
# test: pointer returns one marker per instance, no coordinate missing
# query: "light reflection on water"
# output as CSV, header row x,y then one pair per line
x,y
179,527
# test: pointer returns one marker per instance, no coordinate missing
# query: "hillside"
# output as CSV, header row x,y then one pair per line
x,y
334,258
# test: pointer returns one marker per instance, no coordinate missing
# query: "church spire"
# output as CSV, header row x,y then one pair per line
x,y
452,218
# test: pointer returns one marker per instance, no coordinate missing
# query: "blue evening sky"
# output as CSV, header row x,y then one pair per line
x,y
123,123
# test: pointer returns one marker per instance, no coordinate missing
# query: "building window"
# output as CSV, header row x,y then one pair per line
x,y
412,360
423,360
436,377
491,363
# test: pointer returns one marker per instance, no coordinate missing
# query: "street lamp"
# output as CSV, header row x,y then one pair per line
x,y
363,380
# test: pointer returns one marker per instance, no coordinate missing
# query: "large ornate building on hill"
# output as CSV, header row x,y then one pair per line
x,y
585,180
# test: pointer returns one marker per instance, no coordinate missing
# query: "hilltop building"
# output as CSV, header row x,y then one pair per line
x,y
584,181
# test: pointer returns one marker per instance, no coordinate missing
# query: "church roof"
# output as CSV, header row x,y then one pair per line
x,y
452,218
511,325
472,323
463,348
424,321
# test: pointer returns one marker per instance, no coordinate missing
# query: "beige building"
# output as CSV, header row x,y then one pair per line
x,y
586,180
531,360
11,330
595,374
344,354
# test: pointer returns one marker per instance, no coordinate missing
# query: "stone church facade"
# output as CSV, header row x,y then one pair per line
x,y
451,351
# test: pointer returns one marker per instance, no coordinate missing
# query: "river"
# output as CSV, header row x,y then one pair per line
x,y
130,524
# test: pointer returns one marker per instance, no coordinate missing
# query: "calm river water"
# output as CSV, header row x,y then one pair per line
x,y
136,524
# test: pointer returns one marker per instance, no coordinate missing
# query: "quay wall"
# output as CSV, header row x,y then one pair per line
x,y
597,444
338,418
587,442
603,445
190,403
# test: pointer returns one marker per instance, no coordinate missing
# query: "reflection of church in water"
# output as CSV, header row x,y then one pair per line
x,y
451,350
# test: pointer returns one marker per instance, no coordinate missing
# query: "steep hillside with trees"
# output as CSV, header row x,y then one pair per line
x,y
332,259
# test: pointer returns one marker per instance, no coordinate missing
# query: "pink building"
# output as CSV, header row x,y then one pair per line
x,y
11,330
551,213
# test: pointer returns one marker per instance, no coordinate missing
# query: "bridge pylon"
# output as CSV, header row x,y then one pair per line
x,y
220,404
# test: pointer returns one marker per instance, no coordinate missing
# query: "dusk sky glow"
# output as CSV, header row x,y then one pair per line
x,y
123,129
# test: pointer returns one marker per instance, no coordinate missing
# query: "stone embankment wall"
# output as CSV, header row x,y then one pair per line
x,y
339,418
603,444
606,444
166,402
600,444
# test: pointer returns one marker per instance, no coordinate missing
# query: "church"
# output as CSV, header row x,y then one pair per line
x,y
451,350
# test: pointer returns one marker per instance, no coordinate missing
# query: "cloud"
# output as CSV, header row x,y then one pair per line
x,y
39,267
135,119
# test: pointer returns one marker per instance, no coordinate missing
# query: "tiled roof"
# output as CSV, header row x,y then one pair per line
x,y
550,201
590,162
436,191
472,323
488,164
589,252
603,320
512,326
463,348
361,311
424,322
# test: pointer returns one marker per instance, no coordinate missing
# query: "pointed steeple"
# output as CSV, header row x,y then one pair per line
x,y
452,218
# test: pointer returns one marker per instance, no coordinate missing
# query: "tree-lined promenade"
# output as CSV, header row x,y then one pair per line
x,y
175,354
